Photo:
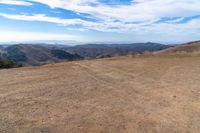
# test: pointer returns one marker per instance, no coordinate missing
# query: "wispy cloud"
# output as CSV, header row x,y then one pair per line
x,y
44,18
15,2
138,10
65,22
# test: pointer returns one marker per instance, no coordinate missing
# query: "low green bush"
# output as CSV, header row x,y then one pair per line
x,y
8,64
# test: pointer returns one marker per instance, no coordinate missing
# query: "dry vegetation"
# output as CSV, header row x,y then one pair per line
x,y
118,95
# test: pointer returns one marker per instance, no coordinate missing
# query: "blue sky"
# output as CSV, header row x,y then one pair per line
x,y
169,21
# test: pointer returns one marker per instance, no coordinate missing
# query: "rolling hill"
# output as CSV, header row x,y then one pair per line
x,y
37,54
93,51
187,48
29,54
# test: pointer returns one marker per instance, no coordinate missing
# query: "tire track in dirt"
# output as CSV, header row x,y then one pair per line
x,y
94,75
117,86
132,76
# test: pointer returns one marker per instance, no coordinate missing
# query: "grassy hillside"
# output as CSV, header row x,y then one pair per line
x,y
188,48
61,54
16,53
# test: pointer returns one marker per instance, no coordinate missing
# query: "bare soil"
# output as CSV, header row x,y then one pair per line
x,y
116,95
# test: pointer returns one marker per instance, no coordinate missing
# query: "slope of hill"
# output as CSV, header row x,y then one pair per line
x,y
188,48
1,53
16,53
114,95
36,54
61,54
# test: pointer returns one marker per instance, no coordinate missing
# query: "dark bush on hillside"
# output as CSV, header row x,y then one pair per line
x,y
8,64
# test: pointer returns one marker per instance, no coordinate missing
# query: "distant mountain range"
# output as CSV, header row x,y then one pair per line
x,y
45,42
39,54
109,50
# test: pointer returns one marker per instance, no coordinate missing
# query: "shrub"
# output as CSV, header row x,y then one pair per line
x,y
8,64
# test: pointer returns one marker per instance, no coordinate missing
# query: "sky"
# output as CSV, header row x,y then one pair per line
x,y
163,21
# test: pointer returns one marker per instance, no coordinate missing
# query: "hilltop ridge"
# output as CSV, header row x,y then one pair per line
x,y
186,48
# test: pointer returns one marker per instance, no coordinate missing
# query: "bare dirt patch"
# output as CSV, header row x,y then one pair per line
x,y
116,95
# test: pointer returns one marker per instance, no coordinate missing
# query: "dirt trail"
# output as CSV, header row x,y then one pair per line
x,y
120,95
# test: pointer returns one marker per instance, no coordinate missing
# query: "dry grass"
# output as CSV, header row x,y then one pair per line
x,y
117,95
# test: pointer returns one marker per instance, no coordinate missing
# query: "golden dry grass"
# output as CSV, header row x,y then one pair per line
x,y
116,95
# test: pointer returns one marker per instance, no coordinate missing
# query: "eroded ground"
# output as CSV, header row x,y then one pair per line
x,y
117,95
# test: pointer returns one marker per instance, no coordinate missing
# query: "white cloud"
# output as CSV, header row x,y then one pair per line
x,y
15,2
27,36
66,22
42,17
138,10
139,17
121,27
